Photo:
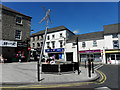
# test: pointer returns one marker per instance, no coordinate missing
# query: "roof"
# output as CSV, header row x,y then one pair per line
x,y
87,36
112,28
11,10
55,29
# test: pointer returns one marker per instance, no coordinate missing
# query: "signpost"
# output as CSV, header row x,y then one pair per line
x,y
46,18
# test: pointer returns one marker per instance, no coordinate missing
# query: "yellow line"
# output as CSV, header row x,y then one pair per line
x,y
102,80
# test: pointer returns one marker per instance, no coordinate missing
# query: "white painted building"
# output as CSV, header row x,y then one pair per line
x,y
55,41
102,46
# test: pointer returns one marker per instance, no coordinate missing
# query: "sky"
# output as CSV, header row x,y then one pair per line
x,y
79,17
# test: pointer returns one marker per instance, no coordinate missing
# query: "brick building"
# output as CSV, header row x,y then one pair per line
x,y
15,33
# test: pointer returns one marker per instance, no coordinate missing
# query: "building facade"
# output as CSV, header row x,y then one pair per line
x,y
55,41
15,32
102,46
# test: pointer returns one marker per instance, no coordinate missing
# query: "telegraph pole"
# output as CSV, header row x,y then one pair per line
x,y
46,18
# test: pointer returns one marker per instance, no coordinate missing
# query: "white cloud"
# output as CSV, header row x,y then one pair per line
x,y
76,31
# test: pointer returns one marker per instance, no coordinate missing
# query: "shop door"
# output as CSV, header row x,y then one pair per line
x,y
69,56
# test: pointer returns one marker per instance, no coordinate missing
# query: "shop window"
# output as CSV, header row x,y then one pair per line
x,y
18,20
118,57
18,34
83,44
94,43
115,44
112,57
115,36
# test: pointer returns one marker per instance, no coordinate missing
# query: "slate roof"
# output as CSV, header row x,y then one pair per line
x,y
112,28
55,29
11,10
87,36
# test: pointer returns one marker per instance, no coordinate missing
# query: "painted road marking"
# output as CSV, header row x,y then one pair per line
x,y
102,80
102,88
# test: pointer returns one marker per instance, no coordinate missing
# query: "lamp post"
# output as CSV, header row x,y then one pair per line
x,y
78,55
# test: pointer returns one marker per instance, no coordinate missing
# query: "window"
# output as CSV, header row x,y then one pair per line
x,y
48,44
48,37
94,43
60,34
53,44
117,56
33,45
115,44
33,38
18,34
115,36
83,44
41,43
53,36
38,44
61,44
19,20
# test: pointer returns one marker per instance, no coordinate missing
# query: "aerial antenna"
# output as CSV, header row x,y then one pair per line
x,y
46,18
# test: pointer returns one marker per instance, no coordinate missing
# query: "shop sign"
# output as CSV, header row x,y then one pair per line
x,y
21,44
5,43
54,50
90,51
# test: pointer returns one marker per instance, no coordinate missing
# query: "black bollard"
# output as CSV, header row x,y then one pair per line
x,y
89,67
92,67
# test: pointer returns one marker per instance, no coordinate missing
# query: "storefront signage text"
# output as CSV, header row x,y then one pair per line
x,y
55,50
5,43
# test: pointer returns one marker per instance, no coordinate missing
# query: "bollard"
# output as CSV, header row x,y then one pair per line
x,y
89,67
92,67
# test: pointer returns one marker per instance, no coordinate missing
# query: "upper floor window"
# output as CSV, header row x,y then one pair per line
x,y
18,34
33,44
60,34
48,37
114,35
48,44
115,44
18,20
94,43
61,44
53,36
33,38
53,44
38,44
83,44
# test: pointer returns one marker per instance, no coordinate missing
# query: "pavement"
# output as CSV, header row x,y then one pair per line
x,y
26,73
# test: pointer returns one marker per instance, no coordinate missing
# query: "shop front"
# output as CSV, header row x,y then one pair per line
x,y
56,53
112,56
95,54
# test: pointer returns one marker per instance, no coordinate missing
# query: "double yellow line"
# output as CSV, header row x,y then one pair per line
x,y
100,81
